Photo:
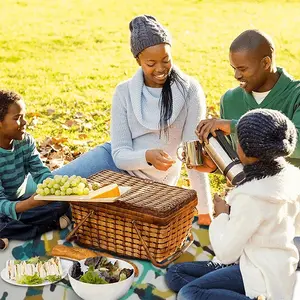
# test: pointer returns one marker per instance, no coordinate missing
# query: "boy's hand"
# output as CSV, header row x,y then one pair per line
x,y
29,204
159,159
220,206
36,203
205,127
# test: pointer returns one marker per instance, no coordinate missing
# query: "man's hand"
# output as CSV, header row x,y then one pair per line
x,y
220,206
205,127
29,204
159,159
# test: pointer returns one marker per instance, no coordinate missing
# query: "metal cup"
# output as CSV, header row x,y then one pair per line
x,y
192,150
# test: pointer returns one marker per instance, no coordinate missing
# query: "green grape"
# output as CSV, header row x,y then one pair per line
x,y
64,179
86,191
84,181
81,185
74,183
52,191
72,177
75,190
63,188
80,192
57,193
47,180
69,191
46,191
39,191
56,186
57,178
40,186
67,184
62,193
95,186
50,185
44,185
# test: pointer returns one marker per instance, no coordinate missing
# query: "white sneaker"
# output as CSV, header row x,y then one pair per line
x,y
3,243
64,222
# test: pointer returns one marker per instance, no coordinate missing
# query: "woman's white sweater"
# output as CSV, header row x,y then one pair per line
x,y
135,129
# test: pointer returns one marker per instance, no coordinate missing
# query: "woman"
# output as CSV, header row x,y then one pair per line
x,y
152,114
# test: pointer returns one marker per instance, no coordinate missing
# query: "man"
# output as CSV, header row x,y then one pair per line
x,y
262,85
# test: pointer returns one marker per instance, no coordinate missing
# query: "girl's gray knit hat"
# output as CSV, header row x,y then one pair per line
x,y
266,134
146,32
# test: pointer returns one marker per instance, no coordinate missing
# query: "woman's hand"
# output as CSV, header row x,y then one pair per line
x,y
207,166
159,159
220,206
205,127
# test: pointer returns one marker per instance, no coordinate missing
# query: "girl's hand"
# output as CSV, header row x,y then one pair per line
x,y
220,206
159,159
207,166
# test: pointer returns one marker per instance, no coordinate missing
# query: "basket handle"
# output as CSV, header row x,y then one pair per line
x,y
71,233
170,259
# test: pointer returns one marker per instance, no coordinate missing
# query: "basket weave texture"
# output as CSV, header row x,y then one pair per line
x,y
162,214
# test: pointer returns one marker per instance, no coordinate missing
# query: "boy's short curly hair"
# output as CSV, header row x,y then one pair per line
x,y
7,98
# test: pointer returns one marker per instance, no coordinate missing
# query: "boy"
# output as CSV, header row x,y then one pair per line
x,y
22,217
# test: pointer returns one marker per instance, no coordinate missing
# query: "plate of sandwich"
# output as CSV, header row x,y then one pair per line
x,y
35,271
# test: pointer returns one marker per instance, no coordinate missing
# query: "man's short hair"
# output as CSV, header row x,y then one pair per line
x,y
251,40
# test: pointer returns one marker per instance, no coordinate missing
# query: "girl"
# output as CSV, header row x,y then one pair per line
x,y
259,230
152,114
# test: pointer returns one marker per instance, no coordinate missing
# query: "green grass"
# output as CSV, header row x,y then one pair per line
x,y
69,55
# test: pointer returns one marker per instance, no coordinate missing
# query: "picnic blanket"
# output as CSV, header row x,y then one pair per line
x,y
149,285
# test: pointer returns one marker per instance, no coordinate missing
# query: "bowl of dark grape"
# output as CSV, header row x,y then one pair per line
x,y
101,278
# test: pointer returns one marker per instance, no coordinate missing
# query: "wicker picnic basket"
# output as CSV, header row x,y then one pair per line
x,y
150,221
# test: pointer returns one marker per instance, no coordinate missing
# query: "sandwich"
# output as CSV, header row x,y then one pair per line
x,y
34,270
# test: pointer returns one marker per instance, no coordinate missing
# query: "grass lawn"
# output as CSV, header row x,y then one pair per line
x,y
66,56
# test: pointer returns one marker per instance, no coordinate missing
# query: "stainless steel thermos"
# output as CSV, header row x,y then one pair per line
x,y
226,159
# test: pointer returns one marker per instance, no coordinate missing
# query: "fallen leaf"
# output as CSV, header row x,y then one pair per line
x,y
70,123
56,147
79,143
78,115
50,111
56,163
83,136
33,114
88,125
59,140
33,122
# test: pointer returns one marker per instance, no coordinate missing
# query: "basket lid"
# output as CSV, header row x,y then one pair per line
x,y
145,195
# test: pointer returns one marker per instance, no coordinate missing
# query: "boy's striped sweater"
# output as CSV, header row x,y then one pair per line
x,y
15,165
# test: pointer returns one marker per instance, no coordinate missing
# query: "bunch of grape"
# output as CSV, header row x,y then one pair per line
x,y
63,186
